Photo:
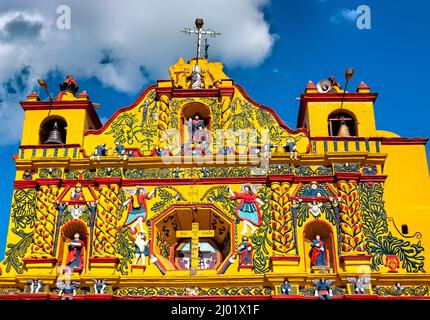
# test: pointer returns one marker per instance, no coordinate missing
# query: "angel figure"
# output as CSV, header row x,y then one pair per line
x,y
248,209
35,285
76,211
67,289
323,288
315,208
136,203
99,286
362,284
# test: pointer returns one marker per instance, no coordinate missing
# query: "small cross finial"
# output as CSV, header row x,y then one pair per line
x,y
200,32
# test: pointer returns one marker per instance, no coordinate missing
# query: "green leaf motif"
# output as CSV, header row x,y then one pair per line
x,y
16,251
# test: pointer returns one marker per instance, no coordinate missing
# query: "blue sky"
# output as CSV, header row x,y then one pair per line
x,y
309,40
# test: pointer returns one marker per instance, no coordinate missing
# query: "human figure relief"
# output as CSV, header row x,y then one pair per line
x,y
77,194
141,248
75,257
318,252
245,252
99,286
137,210
248,209
76,211
35,285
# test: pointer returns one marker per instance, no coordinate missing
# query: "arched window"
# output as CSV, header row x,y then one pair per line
x,y
49,135
342,123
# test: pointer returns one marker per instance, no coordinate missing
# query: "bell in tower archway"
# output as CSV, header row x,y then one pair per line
x,y
54,136
343,129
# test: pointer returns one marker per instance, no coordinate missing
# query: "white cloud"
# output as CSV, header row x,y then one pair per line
x,y
345,15
135,40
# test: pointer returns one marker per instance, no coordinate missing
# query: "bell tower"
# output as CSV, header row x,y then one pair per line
x,y
327,111
61,120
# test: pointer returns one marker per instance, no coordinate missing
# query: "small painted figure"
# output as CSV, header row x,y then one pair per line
x,y
77,194
245,252
75,258
162,151
248,209
92,207
323,289
318,252
68,290
196,77
76,211
361,284
226,150
69,84
141,248
137,210
99,151
35,285
27,175
314,190
291,147
204,171
315,208
176,172
99,286
120,151
286,287
61,207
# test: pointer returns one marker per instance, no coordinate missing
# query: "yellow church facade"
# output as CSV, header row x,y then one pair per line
x,y
196,190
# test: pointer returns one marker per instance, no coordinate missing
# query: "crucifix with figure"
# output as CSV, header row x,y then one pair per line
x,y
200,33
195,233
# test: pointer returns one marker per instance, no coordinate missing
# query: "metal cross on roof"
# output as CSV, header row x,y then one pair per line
x,y
200,32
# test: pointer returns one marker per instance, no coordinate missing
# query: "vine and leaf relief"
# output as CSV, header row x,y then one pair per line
x,y
23,218
379,241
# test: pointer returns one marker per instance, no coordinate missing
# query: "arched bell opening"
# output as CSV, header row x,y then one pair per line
x,y
53,130
324,230
342,123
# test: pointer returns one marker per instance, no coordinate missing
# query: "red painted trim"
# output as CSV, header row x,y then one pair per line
x,y
73,183
107,181
64,105
184,93
97,259
11,296
273,113
33,296
121,110
134,266
173,181
313,178
331,97
360,297
48,146
280,177
23,184
39,260
347,175
353,257
352,138
98,297
191,298
310,199
404,141
373,178
285,258
48,181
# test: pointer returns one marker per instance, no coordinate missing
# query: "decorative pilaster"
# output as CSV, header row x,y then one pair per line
x,y
351,226
43,237
105,227
163,117
284,244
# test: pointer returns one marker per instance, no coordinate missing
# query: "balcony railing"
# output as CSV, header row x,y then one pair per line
x,y
345,144
49,151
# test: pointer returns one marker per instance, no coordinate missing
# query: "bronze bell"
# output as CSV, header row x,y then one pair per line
x,y
54,136
343,130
